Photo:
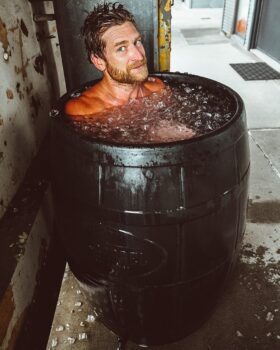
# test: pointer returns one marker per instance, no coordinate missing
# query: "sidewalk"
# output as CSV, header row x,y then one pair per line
x,y
248,315
262,98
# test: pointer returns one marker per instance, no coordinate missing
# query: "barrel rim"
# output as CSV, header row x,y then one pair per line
x,y
58,110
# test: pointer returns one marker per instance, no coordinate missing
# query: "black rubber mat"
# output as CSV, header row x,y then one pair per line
x,y
255,71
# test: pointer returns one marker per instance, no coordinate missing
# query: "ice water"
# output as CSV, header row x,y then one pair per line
x,y
179,112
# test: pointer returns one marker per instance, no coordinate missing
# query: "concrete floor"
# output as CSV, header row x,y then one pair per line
x,y
248,314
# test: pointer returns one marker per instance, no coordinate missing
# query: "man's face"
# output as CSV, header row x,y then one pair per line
x,y
125,55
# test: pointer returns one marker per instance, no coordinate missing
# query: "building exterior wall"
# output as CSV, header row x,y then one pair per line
x,y
27,91
31,77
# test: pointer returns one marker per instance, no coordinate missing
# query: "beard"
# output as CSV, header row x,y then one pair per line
x,y
128,76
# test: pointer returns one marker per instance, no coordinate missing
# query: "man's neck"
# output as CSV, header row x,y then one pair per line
x,y
120,93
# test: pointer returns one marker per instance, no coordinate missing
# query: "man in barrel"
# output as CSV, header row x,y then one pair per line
x,y
115,47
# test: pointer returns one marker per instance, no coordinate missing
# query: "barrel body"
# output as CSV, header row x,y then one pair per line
x,y
152,232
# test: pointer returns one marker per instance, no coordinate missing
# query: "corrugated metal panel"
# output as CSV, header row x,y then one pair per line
x,y
229,16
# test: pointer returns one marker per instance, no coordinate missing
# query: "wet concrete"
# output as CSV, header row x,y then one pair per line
x,y
264,212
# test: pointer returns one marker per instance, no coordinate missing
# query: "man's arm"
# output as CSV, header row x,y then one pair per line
x,y
83,106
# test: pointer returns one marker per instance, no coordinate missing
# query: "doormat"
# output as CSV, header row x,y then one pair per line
x,y
204,36
255,71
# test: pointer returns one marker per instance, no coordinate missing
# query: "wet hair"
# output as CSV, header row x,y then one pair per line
x,y
103,17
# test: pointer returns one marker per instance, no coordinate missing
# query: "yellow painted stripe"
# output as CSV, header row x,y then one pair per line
x,y
164,39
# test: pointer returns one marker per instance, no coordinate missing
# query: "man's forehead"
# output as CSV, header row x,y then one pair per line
x,y
119,33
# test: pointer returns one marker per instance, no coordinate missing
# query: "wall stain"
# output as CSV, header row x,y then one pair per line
x,y
20,93
35,103
23,27
1,121
4,35
15,176
29,88
267,212
22,70
7,308
39,64
1,156
9,94
53,29
13,29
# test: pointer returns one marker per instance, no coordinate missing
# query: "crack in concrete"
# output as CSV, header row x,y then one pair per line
x,y
271,164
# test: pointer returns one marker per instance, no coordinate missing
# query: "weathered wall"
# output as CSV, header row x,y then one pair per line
x,y
31,78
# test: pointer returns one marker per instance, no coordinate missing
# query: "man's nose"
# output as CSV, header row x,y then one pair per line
x,y
136,53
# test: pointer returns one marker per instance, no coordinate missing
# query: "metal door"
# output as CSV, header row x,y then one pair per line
x,y
269,29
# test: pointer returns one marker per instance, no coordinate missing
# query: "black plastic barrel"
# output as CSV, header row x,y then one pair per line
x,y
152,231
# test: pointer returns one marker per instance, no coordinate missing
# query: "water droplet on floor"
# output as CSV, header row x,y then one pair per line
x,y
83,336
269,317
239,334
71,340
54,342
90,318
59,329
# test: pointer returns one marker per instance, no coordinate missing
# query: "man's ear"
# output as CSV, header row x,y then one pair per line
x,y
99,62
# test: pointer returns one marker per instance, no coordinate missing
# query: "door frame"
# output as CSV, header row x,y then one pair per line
x,y
256,24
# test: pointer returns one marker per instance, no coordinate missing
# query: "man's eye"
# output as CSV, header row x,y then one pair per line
x,y
121,49
139,42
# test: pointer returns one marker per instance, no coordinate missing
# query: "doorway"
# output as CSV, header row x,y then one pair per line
x,y
268,30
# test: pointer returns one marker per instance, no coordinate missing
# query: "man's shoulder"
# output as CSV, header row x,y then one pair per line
x,y
86,103
154,84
